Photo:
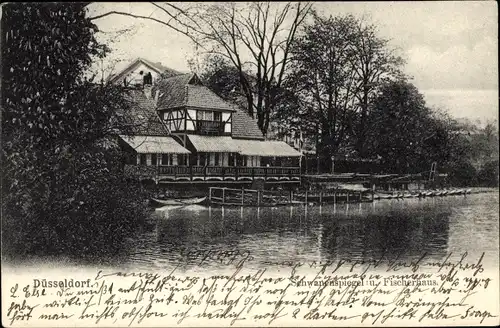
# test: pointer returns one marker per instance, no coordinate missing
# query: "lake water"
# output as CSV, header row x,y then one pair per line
x,y
406,228
384,229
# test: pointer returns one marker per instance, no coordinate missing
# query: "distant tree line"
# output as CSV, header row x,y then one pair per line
x,y
345,93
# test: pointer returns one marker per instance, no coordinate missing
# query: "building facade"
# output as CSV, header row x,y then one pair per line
x,y
185,132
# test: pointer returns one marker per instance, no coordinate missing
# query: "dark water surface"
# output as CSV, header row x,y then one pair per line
x,y
383,229
407,227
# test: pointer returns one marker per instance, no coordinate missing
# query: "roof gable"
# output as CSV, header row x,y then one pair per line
x,y
187,90
157,67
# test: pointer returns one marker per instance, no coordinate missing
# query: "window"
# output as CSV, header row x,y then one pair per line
x,y
193,159
216,159
142,159
164,159
148,78
205,115
240,160
203,158
182,159
217,116
231,160
153,159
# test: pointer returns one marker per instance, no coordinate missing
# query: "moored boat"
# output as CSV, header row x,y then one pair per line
x,y
178,201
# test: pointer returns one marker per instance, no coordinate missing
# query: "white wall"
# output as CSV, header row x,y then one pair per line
x,y
134,75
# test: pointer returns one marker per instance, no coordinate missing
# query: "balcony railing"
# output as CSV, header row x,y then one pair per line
x,y
221,172
210,127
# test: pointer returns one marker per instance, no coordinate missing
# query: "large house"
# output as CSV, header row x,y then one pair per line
x,y
184,131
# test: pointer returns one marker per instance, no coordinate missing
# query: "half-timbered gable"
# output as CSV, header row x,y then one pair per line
x,y
187,106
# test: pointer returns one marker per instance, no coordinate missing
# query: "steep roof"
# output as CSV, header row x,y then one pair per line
x,y
186,90
157,67
154,145
244,126
172,91
143,112
222,144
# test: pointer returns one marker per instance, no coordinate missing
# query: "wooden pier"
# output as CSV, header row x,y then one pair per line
x,y
251,197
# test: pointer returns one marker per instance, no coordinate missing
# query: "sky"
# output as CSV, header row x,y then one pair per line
x,y
450,48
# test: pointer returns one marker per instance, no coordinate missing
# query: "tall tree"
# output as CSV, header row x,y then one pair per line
x,y
337,68
374,62
256,37
54,165
323,77
403,132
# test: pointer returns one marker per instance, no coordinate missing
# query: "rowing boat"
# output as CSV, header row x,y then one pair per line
x,y
179,201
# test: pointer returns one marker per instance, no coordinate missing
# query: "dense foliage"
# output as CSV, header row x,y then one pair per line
x,y
403,134
344,92
474,156
62,183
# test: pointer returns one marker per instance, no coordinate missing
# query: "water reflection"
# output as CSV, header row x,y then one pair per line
x,y
365,231
372,236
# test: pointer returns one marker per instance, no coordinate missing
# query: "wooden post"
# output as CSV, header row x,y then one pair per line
x,y
258,197
242,196
291,195
334,196
347,196
360,197
223,195
321,197
306,198
373,192
210,195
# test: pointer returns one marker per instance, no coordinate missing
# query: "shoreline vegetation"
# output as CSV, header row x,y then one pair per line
x,y
63,186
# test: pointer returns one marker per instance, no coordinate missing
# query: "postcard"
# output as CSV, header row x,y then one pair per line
x,y
249,164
